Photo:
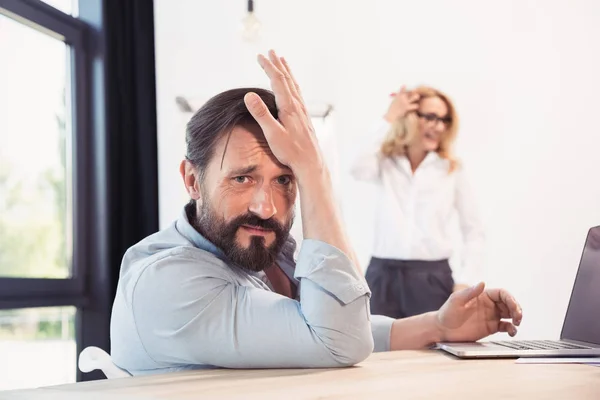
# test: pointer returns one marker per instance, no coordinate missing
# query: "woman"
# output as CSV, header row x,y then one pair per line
x,y
421,186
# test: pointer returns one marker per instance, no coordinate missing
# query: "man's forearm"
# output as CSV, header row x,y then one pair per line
x,y
320,215
416,332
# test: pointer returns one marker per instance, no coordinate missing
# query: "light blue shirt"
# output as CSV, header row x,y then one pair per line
x,y
181,305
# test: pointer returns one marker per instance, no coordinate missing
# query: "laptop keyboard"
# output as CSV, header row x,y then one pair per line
x,y
538,345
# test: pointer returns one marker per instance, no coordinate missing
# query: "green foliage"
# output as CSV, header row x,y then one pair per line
x,y
37,324
34,241
33,219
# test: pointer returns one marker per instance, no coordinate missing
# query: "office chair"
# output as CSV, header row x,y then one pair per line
x,y
93,358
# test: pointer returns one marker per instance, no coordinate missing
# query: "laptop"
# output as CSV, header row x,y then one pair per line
x,y
580,335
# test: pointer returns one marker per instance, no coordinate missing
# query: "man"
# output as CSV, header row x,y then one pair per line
x,y
220,288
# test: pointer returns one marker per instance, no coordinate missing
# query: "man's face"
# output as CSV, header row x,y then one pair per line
x,y
246,204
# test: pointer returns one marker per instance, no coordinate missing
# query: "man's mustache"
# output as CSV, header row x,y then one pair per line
x,y
253,220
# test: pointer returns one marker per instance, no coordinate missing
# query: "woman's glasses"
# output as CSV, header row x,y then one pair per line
x,y
430,117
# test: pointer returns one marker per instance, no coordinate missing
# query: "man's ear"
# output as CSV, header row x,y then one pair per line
x,y
189,174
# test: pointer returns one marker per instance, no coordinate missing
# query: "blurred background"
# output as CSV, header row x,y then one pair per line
x,y
95,95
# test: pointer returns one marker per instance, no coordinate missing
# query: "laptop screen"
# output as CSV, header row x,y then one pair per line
x,y
582,321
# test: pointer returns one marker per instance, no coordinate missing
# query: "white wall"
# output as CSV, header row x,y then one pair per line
x,y
199,52
522,73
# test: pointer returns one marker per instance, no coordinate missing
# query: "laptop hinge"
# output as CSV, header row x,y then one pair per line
x,y
580,343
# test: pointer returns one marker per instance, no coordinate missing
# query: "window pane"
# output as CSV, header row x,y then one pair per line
x,y
37,347
35,154
66,6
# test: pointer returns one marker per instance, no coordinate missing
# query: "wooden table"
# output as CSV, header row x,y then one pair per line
x,y
394,375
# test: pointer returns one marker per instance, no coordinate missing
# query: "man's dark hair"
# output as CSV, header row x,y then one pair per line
x,y
216,119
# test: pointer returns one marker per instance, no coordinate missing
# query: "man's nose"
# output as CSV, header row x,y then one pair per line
x,y
262,204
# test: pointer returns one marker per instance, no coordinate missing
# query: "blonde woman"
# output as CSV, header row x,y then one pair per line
x,y
421,186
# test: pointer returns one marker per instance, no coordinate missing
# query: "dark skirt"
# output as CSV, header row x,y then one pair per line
x,y
402,288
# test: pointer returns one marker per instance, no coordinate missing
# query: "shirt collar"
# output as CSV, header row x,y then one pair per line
x,y
432,157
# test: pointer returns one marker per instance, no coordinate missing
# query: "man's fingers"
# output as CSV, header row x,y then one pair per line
x,y
465,296
412,107
516,312
260,112
504,326
501,296
276,60
293,84
504,311
279,84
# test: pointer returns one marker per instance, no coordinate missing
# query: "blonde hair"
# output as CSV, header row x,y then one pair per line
x,y
404,130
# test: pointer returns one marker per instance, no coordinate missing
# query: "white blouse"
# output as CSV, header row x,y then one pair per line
x,y
414,213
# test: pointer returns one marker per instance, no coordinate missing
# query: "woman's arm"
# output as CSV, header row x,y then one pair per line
x,y
366,167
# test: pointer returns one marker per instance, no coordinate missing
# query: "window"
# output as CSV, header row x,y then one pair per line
x,y
35,139
37,347
44,252
66,6
80,110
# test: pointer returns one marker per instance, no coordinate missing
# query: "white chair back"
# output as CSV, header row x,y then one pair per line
x,y
93,358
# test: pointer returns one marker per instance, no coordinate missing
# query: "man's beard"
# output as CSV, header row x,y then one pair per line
x,y
257,256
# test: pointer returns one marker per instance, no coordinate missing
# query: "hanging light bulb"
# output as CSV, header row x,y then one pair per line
x,y
251,24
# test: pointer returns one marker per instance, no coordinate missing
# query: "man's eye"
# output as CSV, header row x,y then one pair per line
x,y
284,180
241,179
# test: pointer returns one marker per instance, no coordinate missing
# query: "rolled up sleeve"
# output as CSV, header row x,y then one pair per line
x,y
330,269
381,326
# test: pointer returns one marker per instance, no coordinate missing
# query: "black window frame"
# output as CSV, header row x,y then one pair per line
x,y
88,186
40,292
115,161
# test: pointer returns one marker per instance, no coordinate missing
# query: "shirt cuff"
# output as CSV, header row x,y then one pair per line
x,y
331,269
381,328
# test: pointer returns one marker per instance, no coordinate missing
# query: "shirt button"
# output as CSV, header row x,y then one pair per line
x,y
358,286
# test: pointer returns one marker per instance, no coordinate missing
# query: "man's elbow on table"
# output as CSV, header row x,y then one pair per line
x,y
353,348
358,354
